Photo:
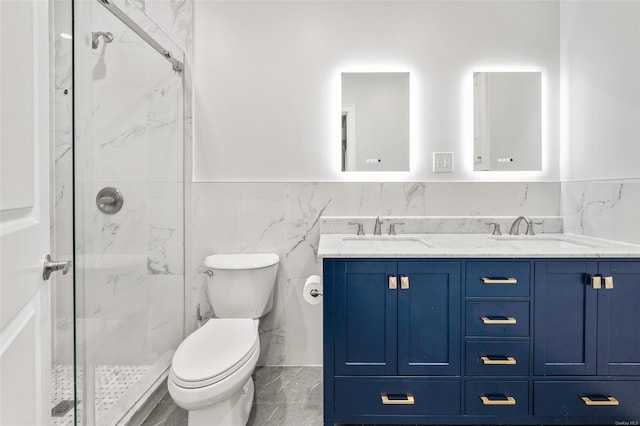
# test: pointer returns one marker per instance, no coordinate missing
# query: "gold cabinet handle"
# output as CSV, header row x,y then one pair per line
x,y
609,401
508,401
608,283
509,280
409,400
393,283
503,320
596,282
404,282
499,361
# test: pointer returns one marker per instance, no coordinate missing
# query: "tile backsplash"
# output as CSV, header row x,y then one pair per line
x,y
285,218
607,209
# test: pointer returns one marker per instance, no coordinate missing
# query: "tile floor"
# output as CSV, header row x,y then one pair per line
x,y
284,396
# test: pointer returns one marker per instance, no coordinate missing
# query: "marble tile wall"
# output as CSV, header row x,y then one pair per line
x,y
284,218
607,209
175,18
135,144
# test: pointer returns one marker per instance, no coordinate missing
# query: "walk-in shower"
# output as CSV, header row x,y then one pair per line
x,y
119,209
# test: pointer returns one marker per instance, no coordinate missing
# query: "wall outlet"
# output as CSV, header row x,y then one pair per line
x,y
443,162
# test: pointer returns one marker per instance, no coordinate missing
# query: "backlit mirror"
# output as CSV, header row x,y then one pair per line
x,y
507,121
375,121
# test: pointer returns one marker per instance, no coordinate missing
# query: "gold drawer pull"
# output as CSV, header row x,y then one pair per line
x,y
509,280
498,320
407,401
509,360
404,282
393,282
508,401
609,401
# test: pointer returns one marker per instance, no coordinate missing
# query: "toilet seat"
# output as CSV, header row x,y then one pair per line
x,y
198,362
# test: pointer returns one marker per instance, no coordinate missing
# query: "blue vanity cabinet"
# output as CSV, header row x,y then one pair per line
x,y
397,318
497,339
392,347
566,318
429,318
365,318
618,321
587,342
584,330
481,341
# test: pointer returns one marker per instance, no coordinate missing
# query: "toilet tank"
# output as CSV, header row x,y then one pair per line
x,y
241,285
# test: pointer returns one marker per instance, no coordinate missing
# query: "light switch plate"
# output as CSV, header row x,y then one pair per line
x,y
443,162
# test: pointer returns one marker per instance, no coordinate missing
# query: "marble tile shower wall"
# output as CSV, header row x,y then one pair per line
x,y
605,209
133,267
284,218
175,18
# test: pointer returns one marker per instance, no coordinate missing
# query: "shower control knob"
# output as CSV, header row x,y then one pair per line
x,y
109,200
50,266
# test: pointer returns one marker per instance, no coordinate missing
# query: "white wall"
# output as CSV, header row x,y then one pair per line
x,y
601,139
601,72
267,75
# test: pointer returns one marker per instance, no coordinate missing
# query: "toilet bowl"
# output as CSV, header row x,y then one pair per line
x,y
210,374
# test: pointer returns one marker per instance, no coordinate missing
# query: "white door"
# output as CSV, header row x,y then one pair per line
x,y
25,310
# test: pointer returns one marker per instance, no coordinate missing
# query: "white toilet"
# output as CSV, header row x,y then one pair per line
x,y
211,370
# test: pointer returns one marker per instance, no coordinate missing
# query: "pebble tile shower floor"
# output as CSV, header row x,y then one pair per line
x,y
112,381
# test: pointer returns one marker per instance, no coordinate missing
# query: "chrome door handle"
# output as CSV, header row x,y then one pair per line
x,y
50,266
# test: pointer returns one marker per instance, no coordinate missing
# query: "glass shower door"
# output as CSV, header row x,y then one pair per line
x,y
129,211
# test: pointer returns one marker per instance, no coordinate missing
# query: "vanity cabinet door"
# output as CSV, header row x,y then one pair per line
x,y
618,335
429,318
365,318
565,318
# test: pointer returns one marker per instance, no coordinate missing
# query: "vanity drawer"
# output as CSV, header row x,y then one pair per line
x,y
588,399
497,319
497,398
497,358
497,279
404,396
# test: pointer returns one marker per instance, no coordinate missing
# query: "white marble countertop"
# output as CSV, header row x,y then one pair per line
x,y
548,245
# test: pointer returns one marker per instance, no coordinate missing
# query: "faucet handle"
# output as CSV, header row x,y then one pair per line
x,y
360,229
377,226
392,227
496,228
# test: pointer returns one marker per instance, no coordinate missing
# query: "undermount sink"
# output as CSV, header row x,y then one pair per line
x,y
398,242
543,241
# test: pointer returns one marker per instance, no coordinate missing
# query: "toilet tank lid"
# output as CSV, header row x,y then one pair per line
x,y
241,260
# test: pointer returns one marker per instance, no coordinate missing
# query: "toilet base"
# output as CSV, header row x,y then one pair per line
x,y
233,411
